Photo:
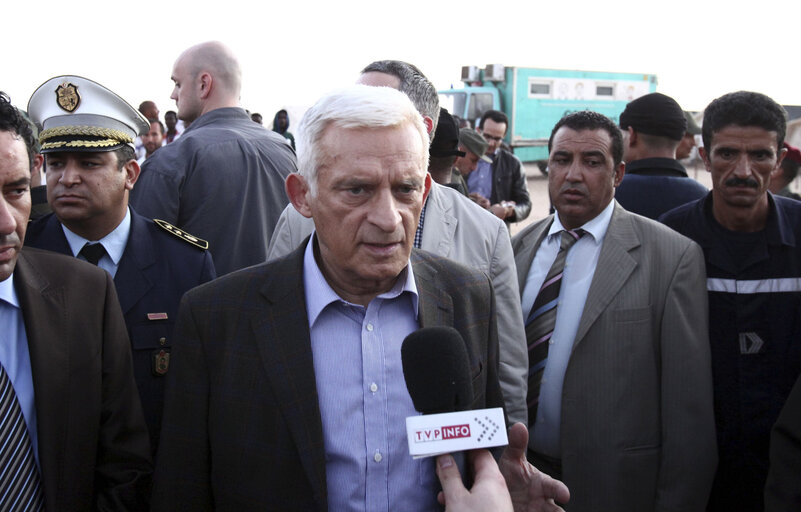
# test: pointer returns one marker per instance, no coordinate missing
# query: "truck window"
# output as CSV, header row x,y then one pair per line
x,y
605,90
453,101
479,103
539,89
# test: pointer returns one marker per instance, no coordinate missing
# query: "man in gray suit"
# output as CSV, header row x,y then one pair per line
x,y
620,384
451,226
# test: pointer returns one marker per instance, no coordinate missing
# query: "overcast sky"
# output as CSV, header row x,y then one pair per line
x,y
293,51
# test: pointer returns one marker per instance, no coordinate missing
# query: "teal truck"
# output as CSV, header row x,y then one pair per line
x,y
535,99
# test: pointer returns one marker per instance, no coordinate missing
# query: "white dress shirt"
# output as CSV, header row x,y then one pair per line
x,y
579,270
114,243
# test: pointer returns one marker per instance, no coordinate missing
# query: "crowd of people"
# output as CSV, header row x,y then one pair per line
x,y
222,328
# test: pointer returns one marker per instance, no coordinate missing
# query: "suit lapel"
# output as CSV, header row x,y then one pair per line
x,y
281,332
439,225
614,267
139,254
526,248
44,309
434,307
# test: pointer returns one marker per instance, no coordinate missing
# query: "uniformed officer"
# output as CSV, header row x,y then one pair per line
x,y
87,139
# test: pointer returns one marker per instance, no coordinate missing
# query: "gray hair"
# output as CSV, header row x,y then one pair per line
x,y
358,106
414,84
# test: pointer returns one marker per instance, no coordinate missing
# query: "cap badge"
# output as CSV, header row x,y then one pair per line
x,y
67,96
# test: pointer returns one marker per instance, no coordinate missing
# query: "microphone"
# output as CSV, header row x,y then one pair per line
x,y
437,373
437,370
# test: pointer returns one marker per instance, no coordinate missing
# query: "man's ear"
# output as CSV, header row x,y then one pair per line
x,y
632,138
206,81
619,173
426,187
429,124
705,158
297,189
131,170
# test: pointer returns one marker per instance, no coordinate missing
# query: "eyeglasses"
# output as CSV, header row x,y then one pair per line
x,y
490,138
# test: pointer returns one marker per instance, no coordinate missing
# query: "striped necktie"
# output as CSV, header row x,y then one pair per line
x,y
541,321
20,484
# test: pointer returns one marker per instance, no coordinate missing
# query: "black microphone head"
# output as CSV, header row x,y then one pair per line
x,y
437,370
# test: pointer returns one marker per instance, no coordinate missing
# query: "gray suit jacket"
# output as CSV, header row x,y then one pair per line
x,y
637,428
457,228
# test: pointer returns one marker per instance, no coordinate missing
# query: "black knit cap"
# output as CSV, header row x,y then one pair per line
x,y
655,114
446,138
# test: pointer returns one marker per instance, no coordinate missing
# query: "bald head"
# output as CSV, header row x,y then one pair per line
x,y
207,76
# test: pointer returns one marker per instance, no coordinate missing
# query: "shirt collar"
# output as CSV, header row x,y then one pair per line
x,y
656,167
114,242
596,227
8,293
319,293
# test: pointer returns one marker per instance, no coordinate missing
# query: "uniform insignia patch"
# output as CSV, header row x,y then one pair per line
x,y
180,233
67,96
161,362
750,343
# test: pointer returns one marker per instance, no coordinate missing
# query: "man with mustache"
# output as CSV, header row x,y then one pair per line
x,y
620,384
750,239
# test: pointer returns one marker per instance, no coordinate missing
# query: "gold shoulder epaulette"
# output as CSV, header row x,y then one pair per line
x,y
180,233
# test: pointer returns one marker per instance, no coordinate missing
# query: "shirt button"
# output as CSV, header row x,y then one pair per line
x,y
370,327
550,342
373,387
377,457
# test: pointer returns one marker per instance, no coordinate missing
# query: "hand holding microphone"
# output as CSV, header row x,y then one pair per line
x,y
437,372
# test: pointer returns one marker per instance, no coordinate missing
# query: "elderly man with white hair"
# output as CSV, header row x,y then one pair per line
x,y
287,388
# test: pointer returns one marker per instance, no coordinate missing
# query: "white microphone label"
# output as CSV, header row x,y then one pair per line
x,y
435,434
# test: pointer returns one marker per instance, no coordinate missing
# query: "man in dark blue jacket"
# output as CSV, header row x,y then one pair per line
x,y
655,182
752,247
91,169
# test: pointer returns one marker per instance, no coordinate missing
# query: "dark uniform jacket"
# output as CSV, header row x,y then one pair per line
x,y
755,335
155,270
653,186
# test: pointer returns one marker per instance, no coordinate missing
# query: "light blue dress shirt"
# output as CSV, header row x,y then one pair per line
x,y
363,397
114,243
15,357
480,180
580,265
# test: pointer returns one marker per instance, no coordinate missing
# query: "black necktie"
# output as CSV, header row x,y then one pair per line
x,y
92,252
